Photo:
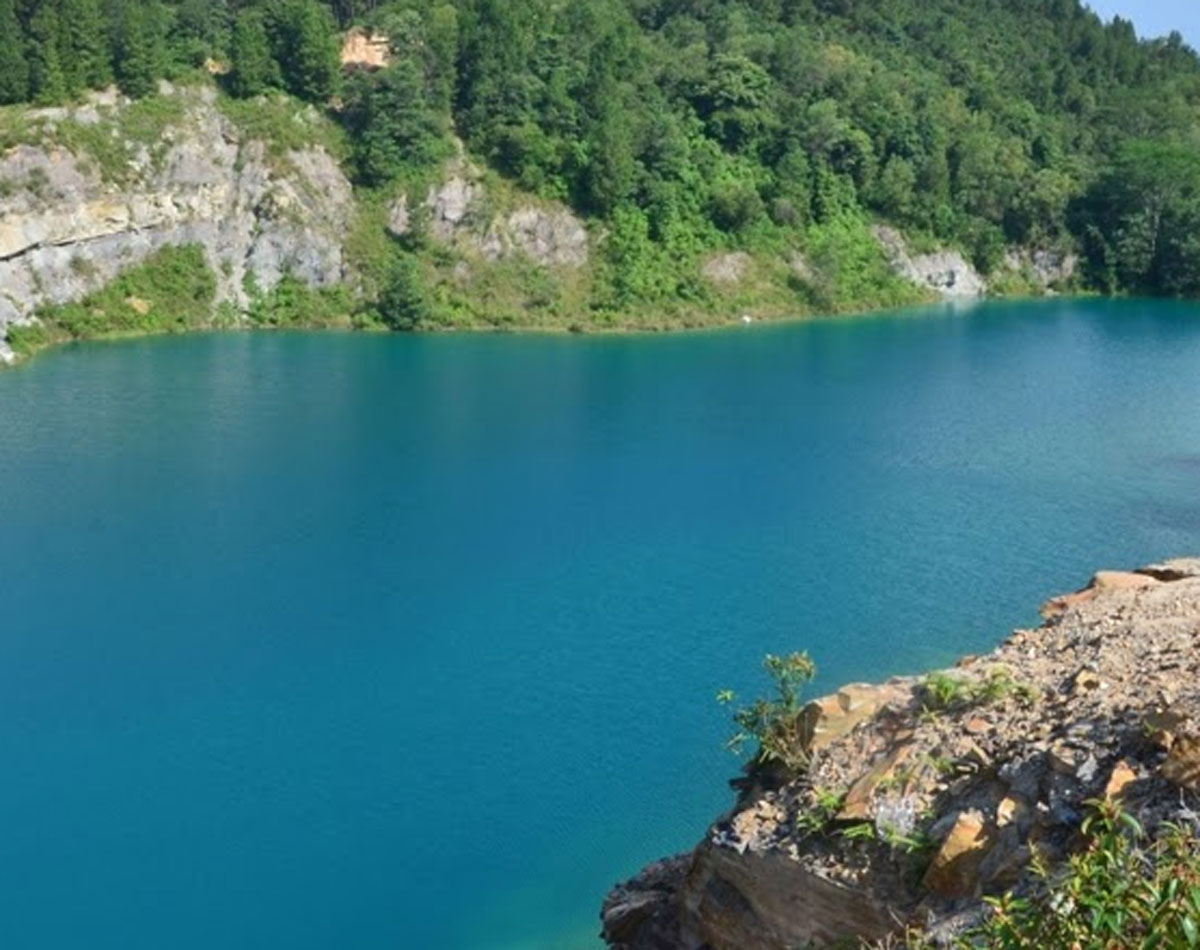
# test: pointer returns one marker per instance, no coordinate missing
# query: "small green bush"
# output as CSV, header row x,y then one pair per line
x,y
293,303
170,291
776,724
941,692
1122,892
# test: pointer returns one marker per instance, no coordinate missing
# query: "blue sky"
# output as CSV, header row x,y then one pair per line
x,y
1155,17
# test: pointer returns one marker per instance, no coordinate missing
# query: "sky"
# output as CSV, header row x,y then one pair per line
x,y
1155,17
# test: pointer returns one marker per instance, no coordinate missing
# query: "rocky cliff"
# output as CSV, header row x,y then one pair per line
x,y
925,794
81,200
91,190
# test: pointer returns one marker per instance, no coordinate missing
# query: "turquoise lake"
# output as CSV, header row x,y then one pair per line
x,y
317,640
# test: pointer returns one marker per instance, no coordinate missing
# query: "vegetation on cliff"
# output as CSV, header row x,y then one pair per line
x,y
687,128
173,290
1121,891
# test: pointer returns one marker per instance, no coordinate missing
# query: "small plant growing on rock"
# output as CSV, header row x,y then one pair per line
x,y
942,692
826,803
776,724
863,831
999,685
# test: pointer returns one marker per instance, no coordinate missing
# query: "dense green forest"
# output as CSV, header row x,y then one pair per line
x,y
687,125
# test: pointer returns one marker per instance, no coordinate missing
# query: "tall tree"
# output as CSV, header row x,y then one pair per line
x,y
393,122
139,45
46,81
84,51
14,69
1144,215
306,46
253,70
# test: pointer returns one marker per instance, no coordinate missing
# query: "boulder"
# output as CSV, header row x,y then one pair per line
x,y
1101,582
859,801
831,717
766,901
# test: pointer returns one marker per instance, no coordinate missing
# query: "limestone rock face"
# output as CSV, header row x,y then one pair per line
x,y
66,230
726,268
914,808
946,272
1047,266
459,215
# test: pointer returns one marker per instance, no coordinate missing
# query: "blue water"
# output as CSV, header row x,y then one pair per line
x,y
315,641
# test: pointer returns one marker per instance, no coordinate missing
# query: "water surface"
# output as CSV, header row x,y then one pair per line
x,y
316,641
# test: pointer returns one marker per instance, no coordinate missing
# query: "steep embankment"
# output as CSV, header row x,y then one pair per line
x,y
89,192
924,794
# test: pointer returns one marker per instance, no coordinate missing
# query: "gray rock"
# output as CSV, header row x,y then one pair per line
x,y
946,272
458,216
65,231
726,268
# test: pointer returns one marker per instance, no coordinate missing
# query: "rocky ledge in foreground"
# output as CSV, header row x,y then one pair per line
x,y
925,794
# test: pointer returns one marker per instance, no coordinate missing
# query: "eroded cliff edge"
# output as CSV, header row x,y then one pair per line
x,y
72,217
926,793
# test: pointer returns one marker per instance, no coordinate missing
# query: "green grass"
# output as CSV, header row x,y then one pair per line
x,y
943,692
171,291
284,124
111,143
295,305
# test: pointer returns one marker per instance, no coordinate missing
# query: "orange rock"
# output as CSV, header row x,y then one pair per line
x,y
976,726
955,869
857,805
1011,809
1121,778
1101,581
831,717
363,50
1122,580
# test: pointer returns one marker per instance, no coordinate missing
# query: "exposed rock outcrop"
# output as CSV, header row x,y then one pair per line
x,y
925,794
946,272
364,50
67,229
727,268
457,213
1047,267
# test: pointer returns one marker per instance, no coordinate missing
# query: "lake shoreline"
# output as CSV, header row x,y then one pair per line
x,y
17,359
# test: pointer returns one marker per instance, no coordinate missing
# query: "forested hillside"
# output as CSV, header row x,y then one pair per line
x,y
684,126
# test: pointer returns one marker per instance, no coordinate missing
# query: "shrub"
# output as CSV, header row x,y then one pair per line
x,y
171,290
403,304
776,724
1122,891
